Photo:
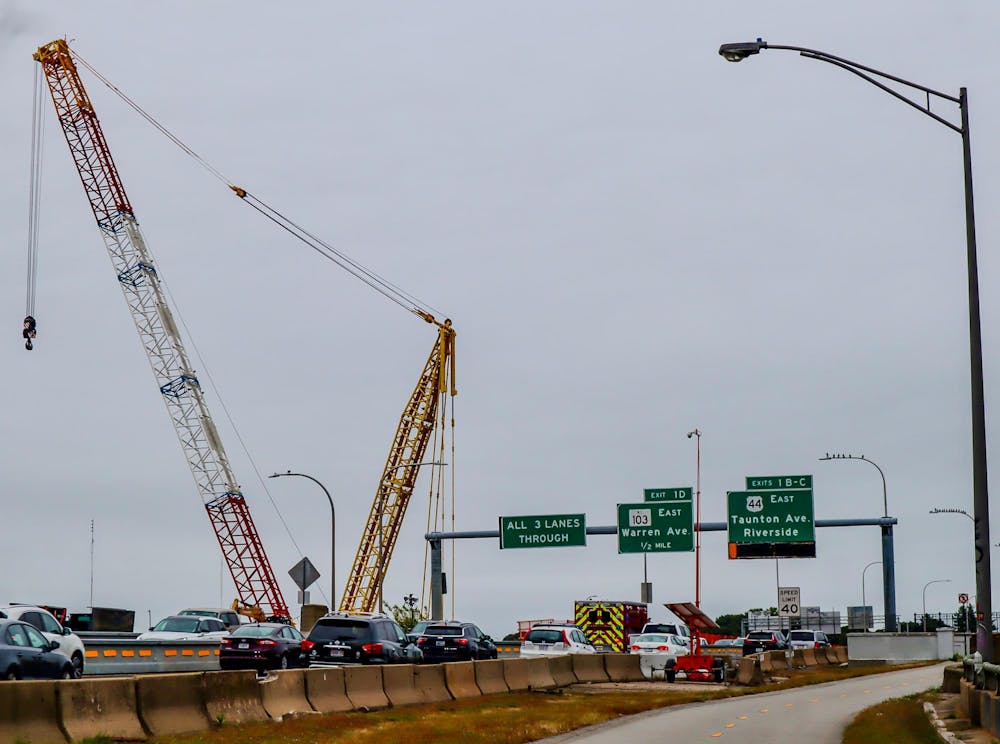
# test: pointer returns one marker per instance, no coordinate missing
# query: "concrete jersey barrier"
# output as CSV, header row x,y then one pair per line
x,y
561,669
831,655
841,652
779,660
100,707
809,656
284,693
623,667
460,677
399,685
489,676
29,711
233,697
364,687
326,690
749,672
430,681
515,674
589,668
171,703
539,676
798,660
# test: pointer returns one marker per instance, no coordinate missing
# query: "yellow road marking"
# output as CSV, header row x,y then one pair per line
x,y
730,725
717,734
743,718
813,700
867,692
763,710
843,695
886,687
789,705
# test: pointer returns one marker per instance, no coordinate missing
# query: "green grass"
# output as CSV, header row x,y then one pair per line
x,y
899,720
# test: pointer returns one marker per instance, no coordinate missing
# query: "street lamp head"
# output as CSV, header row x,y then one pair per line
x,y
741,50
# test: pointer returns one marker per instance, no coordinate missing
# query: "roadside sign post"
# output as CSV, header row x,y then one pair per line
x,y
789,601
773,518
543,531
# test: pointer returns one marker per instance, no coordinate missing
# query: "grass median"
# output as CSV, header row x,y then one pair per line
x,y
502,719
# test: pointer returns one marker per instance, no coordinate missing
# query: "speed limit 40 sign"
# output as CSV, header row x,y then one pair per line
x,y
789,601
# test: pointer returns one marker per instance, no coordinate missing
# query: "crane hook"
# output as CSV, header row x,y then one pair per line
x,y
30,329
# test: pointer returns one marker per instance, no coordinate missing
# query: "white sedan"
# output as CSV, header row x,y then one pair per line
x,y
185,628
658,643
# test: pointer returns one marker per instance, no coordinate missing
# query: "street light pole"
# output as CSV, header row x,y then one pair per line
x,y
980,489
888,560
936,581
333,534
864,607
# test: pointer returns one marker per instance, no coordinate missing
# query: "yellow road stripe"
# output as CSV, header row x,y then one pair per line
x,y
730,725
717,734
763,710
743,718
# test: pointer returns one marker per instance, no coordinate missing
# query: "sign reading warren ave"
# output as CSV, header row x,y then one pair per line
x,y
773,518
543,531
656,526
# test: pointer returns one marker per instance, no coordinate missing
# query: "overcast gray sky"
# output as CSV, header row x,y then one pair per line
x,y
633,237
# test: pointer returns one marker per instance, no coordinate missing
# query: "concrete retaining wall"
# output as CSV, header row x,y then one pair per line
x,y
399,684
515,674
589,668
561,669
326,690
95,707
233,697
460,677
284,694
364,687
430,682
898,648
171,703
489,676
623,667
29,711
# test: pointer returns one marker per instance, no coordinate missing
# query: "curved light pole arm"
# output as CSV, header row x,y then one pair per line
x,y
333,533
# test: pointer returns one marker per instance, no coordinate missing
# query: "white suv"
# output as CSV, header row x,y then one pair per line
x,y
807,639
69,642
556,640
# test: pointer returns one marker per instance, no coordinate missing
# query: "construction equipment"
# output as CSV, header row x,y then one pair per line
x,y
141,284
420,419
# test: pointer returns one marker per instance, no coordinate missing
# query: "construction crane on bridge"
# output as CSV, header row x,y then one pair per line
x,y
144,293
423,418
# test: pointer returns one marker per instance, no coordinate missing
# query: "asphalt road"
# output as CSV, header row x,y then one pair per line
x,y
817,714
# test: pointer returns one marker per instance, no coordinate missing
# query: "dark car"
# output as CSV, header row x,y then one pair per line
x,y
340,638
763,640
26,654
455,641
262,646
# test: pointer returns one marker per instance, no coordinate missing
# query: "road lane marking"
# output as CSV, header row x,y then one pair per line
x,y
763,710
717,734
730,725
743,718
789,705
813,700
868,692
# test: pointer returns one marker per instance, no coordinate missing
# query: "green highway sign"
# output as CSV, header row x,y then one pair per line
x,y
773,518
656,527
543,531
667,494
769,482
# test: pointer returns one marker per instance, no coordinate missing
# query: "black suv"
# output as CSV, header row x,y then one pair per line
x,y
340,638
455,641
763,640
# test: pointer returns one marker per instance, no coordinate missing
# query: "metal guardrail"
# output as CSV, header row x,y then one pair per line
x,y
117,655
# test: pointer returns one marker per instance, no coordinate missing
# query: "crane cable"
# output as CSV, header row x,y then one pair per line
x,y
34,207
381,285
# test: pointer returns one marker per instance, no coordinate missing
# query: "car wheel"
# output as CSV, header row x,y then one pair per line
x,y
283,662
77,661
68,672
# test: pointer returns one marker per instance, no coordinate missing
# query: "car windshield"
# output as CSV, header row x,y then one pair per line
x,y
178,625
760,636
201,613
443,630
544,636
651,638
420,627
252,631
340,630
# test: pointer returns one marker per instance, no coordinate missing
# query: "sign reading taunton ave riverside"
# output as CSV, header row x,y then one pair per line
x,y
543,531
773,518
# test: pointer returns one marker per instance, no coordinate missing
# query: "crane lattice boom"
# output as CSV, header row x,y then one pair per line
x,y
175,377
400,474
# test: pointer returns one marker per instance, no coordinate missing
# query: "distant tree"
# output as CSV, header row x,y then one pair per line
x,y
731,624
407,614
